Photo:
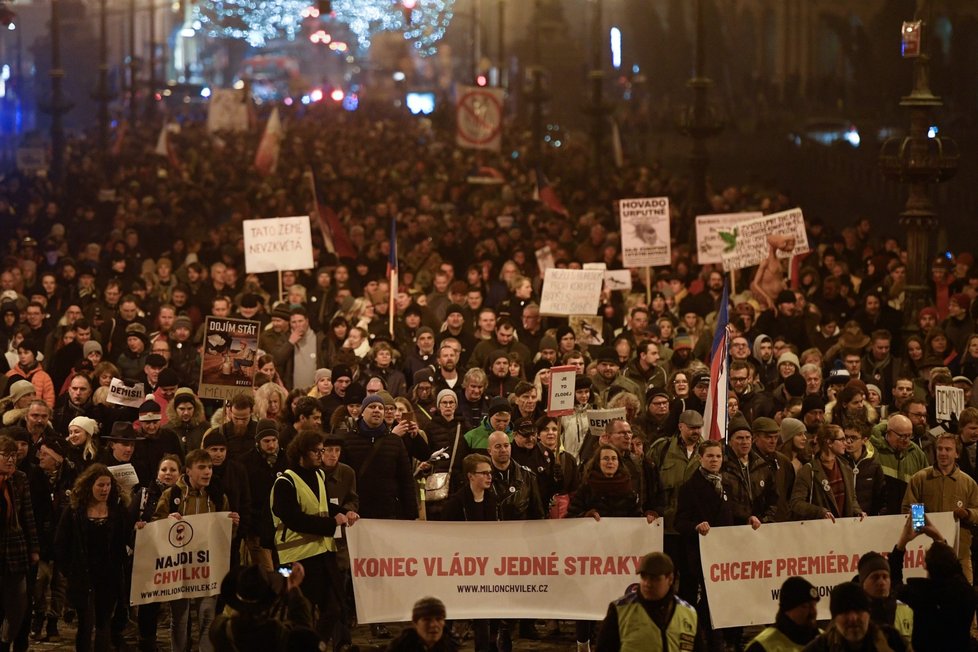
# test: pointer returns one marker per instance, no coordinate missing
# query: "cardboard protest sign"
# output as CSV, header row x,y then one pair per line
x,y
479,117
127,394
744,568
277,244
645,238
32,160
230,352
184,558
571,292
125,474
598,419
716,234
618,280
560,399
587,329
949,400
504,570
754,240
545,259
227,110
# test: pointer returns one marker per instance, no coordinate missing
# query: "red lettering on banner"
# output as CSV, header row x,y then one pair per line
x,y
385,567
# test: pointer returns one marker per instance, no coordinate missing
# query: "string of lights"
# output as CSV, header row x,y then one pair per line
x,y
422,22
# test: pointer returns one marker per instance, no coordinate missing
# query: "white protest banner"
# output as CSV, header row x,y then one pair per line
x,y
645,232
618,280
227,110
479,117
744,568
127,394
782,233
949,400
277,244
545,259
601,266
507,570
598,419
32,160
125,474
560,398
184,558
571,292
717,233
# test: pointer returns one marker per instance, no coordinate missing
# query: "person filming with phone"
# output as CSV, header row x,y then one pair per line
x,y
944,487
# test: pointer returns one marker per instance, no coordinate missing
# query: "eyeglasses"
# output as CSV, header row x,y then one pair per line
x,y
318,452
899,435
919,415
851,438
840,439
10,457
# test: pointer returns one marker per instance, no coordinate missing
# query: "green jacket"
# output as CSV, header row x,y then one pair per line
x,y
478,438
669,455
898,468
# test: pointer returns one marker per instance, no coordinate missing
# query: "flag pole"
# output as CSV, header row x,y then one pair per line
x,y
648,285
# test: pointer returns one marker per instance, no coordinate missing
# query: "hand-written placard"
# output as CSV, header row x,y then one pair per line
x,y
645,238
598,419
784,231
545,259
129,395
571,292
277,244
125,474
560,399
948,400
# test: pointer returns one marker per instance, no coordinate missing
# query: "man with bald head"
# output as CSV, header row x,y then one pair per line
x,y
900,458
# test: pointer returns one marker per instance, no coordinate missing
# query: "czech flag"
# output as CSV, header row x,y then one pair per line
x,y
392,275
715,414
544,193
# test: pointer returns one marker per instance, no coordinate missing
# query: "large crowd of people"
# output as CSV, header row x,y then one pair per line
x,y
438,411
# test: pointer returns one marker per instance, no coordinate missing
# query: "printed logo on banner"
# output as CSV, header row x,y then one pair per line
x,y
181,534
479,118
717,234
230,351
645,238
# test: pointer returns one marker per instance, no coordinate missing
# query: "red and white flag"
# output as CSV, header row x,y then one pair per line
x,y
266,158
715,413
164,145
544,193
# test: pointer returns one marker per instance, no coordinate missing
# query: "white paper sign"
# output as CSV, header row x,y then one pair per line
x,y
125,474
545,259
618,280
645,232
715,233
571,292
949,400
184,558
601,266
744,568
32,160
277,244
598,419
497,570
122,394
227,110
754,239
560,400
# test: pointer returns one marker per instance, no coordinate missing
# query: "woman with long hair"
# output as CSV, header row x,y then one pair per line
x,y
82,449
939,350
606,490
825,487
969,359
574,427
266,365
90,549
270,400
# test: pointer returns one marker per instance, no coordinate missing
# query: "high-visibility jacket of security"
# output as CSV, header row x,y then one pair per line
x,y
293,545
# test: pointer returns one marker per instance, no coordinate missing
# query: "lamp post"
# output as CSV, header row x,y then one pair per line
x,y
699,121
598,108
133,65
501,41
919,162
58,106
151,81
538,95
101,94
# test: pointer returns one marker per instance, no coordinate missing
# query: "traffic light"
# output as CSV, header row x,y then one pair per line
x,y
408,6
325,7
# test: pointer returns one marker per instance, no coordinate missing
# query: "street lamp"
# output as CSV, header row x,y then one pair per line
x,y
598,108
699,121
57,106
919,161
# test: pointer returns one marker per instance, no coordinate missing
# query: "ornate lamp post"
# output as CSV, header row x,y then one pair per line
x,y
699,121
919,162
538,95
598,108
58,106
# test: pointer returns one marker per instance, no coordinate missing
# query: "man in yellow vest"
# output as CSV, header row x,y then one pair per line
x,y
650,617
794,626
305,522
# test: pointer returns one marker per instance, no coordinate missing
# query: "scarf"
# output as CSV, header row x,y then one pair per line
x,y
715,479
618,485
372,433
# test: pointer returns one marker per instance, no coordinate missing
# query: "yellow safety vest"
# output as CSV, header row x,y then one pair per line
x,y
773,639
639,633
903,620
296,546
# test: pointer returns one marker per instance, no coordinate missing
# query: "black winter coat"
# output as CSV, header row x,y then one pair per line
x,y
386,486
586,500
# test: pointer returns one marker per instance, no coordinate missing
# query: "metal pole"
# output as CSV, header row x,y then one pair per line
x,y
537,97
597,108
103,79
151,82
501,44
133,66
57,98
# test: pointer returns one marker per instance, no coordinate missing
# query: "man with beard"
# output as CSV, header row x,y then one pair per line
x,y
851,628
644,369
884,608
812,413
186,419
900,458
446,376
455,328
239,430
795,624
879,367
